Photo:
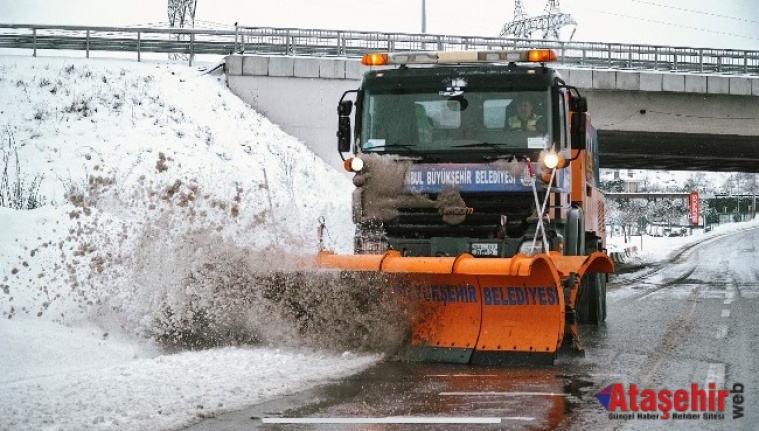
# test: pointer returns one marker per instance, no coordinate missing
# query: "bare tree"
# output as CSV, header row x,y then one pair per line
x,y
181,12
730,185
15,190
696,181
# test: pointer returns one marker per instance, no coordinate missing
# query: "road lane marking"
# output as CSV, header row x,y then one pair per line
x,y
606,375
503,394
726,313
730,294
716,375
721,332
674,336
461,375
393,420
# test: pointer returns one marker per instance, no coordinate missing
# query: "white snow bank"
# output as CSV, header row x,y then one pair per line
x,y
656,249
131,136
79,379
171,203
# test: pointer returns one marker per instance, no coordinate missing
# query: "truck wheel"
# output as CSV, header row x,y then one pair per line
x,y
597,296
582,307
592,300
602,284
574,233
593,244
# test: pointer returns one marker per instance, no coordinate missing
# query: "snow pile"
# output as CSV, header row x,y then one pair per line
x,y
176,219
163,392
128,138
657,249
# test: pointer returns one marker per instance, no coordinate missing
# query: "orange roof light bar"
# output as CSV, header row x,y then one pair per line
x,y
459,57
375,59
541,55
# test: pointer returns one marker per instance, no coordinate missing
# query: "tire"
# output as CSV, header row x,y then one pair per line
x,y
591,303
602,284
598,290
574,233
596,301
583,306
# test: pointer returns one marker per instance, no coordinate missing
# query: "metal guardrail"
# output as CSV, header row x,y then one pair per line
x,y
583,54
313,42
186,42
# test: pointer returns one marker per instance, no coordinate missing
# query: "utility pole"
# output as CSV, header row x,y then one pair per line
x,y
753,196
424,16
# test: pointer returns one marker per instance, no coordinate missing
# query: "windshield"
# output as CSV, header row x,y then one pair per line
x,y
455,120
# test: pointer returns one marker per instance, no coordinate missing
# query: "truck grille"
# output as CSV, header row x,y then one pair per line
x,y
486,218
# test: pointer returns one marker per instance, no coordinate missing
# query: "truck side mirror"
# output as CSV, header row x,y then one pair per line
x,y
344,134
578,104
344,109
579,126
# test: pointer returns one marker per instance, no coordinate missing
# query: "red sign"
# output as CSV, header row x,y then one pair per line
x,y
693,205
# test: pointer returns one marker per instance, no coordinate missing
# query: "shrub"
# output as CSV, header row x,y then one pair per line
x,y
15,191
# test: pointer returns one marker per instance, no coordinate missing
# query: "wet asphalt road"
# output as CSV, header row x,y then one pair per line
x,y
694,320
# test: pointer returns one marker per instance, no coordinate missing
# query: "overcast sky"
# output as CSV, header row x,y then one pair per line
x,y
703,23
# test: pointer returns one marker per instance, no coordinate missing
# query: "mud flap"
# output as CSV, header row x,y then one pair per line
x,y
573,270
580,266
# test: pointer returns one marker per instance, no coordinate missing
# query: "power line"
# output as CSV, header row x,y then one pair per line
x,y
716,15
671,24
675,114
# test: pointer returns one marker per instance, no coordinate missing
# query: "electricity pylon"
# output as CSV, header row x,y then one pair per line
x,y
549,24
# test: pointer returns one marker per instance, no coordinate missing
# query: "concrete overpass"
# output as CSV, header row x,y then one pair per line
x,y
646,119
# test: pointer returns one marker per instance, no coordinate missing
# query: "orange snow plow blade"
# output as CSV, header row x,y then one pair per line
x,y
466,309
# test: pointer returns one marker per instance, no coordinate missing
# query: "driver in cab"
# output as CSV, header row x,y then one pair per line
x,y
524,119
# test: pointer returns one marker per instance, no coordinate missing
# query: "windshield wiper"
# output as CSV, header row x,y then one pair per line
x,y
481,144
408,148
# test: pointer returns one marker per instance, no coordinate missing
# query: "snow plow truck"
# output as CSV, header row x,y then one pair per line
x,y
476,194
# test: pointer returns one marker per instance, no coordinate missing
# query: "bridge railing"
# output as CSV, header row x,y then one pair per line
x,y
315,42
139,40
293,41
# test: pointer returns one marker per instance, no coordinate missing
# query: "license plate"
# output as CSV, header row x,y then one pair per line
x,y
485,249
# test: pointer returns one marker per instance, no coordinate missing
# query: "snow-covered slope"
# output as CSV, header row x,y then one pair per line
x,y
168,201
147,135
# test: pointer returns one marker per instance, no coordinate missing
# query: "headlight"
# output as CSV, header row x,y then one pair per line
x,y
554,160
354,164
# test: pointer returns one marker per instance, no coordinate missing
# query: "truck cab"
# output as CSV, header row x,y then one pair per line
x,y
488,153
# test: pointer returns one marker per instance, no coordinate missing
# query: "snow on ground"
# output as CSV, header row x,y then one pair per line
x,y
141,296
662,249
656,249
